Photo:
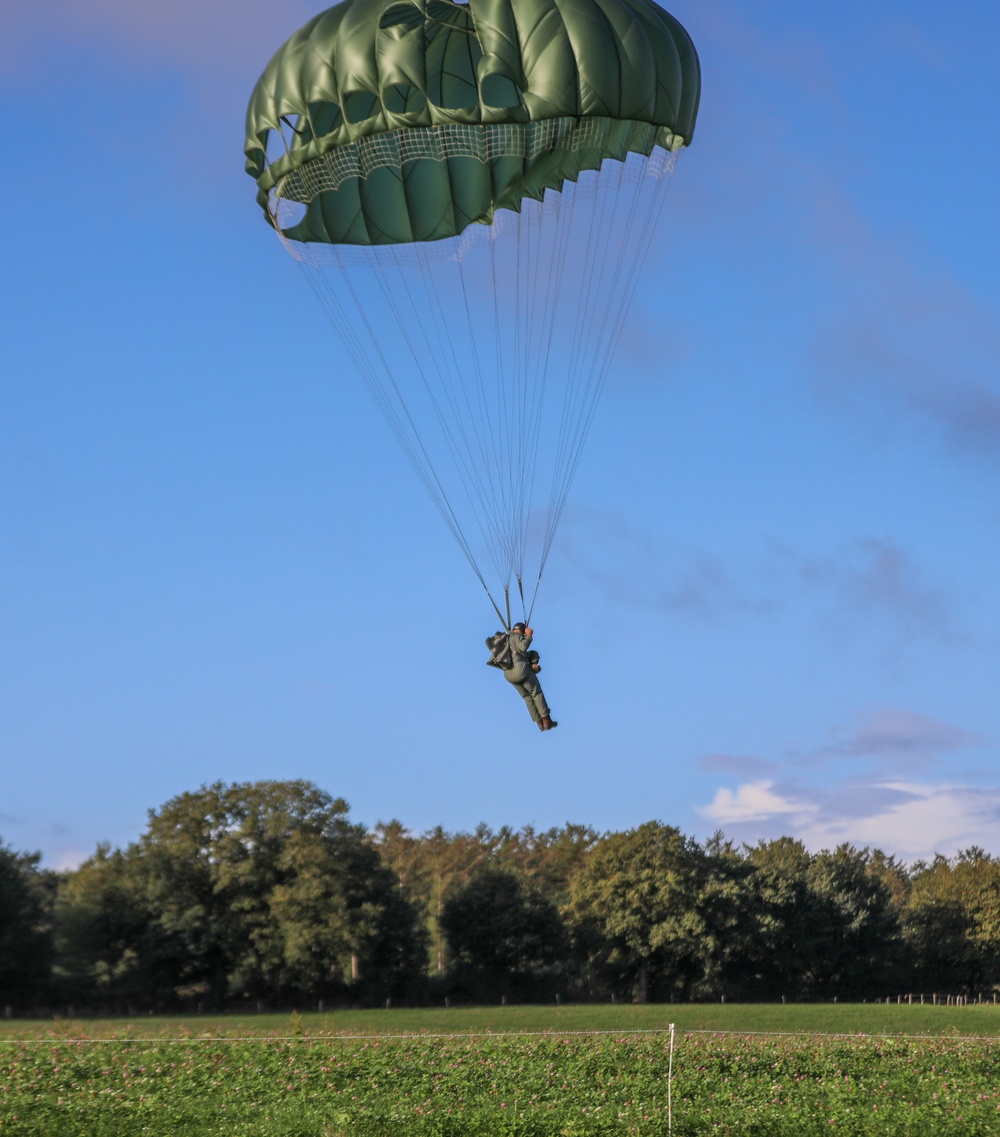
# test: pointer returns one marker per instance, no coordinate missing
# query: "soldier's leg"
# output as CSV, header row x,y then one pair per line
x,y
524,682
534,698
529,701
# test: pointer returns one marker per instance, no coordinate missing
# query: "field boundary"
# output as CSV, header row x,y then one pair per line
x,y
499,1034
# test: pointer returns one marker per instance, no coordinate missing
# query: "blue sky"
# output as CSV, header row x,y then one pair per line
x,y
773,605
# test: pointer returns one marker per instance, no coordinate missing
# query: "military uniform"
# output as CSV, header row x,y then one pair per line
x,y
524,679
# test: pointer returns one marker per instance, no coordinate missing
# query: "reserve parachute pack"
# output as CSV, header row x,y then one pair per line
x,y
500,655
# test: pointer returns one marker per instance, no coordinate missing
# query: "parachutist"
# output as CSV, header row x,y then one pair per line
x,y
523,674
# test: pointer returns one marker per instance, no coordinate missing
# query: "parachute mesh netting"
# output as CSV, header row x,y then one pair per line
x,y
487,352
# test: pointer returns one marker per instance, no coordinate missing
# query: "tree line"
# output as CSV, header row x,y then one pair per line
x,y
267,892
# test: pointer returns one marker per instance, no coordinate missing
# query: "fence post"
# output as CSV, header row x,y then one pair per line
x,y
670,1084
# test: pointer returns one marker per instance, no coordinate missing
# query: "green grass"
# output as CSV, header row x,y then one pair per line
x,y
469,1073
809,1018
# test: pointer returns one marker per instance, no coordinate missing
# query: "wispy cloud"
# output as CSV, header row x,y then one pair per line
x,y
629,565
905,342
894,736
871,582
898,340
874,576
745,765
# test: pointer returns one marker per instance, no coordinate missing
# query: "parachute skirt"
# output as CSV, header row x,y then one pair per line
x,y
432,183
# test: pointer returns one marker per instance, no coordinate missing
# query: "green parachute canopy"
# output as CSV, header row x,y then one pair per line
x,y
392,121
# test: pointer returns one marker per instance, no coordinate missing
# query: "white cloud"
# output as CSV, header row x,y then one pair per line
x,y
910,819
752,802
932,819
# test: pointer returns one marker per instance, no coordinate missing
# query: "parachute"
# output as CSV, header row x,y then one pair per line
x,y
471,189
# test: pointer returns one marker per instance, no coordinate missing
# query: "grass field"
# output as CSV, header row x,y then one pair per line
x,y
484,1071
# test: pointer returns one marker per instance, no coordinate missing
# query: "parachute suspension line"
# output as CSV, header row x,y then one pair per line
x,y
659,176
490,425
562,271
454,390
455,437
519,450
595,372
470,472
475,419
596,252
473,424
594,190
416,453
478,419
530,402
347,334
520,394
555,225
561,209
506,623
506,418
544,261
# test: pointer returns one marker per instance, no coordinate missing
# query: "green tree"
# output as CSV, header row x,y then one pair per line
x,y
25,927
857,942
828,924
430,868
265,888
951,922
103,937
343,918
782,944
728,906
983,899
634,911
504,936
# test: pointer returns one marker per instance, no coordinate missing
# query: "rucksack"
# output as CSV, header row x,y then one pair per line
x,y
500,655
